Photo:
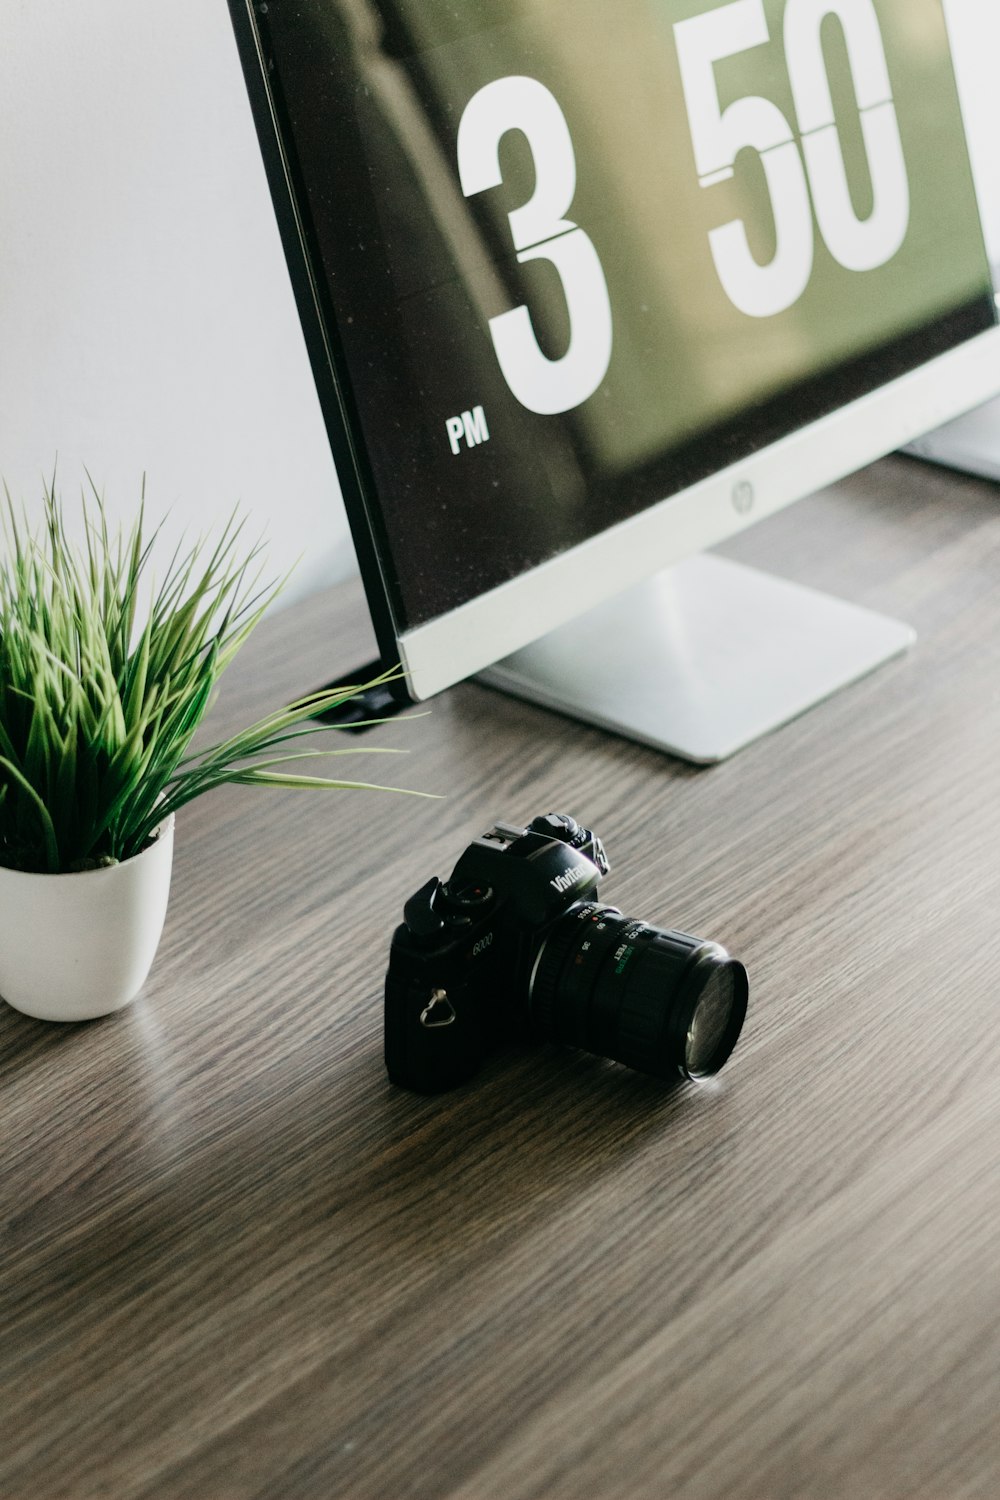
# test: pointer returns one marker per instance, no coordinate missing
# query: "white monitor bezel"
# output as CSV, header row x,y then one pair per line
x,y
456,645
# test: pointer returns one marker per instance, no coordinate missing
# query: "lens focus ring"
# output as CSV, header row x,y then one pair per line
x,y
643,1021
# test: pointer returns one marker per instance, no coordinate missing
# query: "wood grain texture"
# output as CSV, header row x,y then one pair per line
x,y
237,1263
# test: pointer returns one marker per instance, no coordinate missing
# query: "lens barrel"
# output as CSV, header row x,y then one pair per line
x,y
659,1001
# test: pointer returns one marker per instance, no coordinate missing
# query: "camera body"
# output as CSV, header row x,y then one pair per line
x,y
459,964
514,947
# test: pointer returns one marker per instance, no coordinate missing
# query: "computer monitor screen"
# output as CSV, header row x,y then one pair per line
x,y
588,286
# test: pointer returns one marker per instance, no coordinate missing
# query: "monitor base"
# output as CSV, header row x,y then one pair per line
x,y
702,659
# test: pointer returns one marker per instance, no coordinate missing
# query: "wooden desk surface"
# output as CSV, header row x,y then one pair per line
x,y
236,1262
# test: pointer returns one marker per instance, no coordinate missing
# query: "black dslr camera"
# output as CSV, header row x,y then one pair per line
x,y
514,947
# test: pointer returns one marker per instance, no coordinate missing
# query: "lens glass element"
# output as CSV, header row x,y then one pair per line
x,y
710,1023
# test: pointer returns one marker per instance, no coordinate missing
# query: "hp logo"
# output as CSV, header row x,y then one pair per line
x,y
742,497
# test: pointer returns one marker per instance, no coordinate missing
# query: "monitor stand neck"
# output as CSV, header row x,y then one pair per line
x,y
702,658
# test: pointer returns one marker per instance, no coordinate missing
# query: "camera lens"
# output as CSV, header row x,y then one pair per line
x,y
660,1001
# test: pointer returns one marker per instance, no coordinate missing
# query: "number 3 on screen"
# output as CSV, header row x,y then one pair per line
x,y
758,124
540,231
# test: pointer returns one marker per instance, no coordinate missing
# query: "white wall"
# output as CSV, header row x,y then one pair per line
x,y
146,322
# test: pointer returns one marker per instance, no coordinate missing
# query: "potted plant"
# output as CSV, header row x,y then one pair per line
x,y
105,675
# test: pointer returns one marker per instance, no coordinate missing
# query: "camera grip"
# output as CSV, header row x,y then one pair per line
x,y
434,1038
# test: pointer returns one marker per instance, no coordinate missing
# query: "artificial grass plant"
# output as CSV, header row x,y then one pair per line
x,y
101,691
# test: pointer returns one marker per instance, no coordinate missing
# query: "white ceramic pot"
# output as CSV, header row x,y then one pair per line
x,y
73,947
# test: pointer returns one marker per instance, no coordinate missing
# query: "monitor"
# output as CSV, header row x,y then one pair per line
x,y
589,287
